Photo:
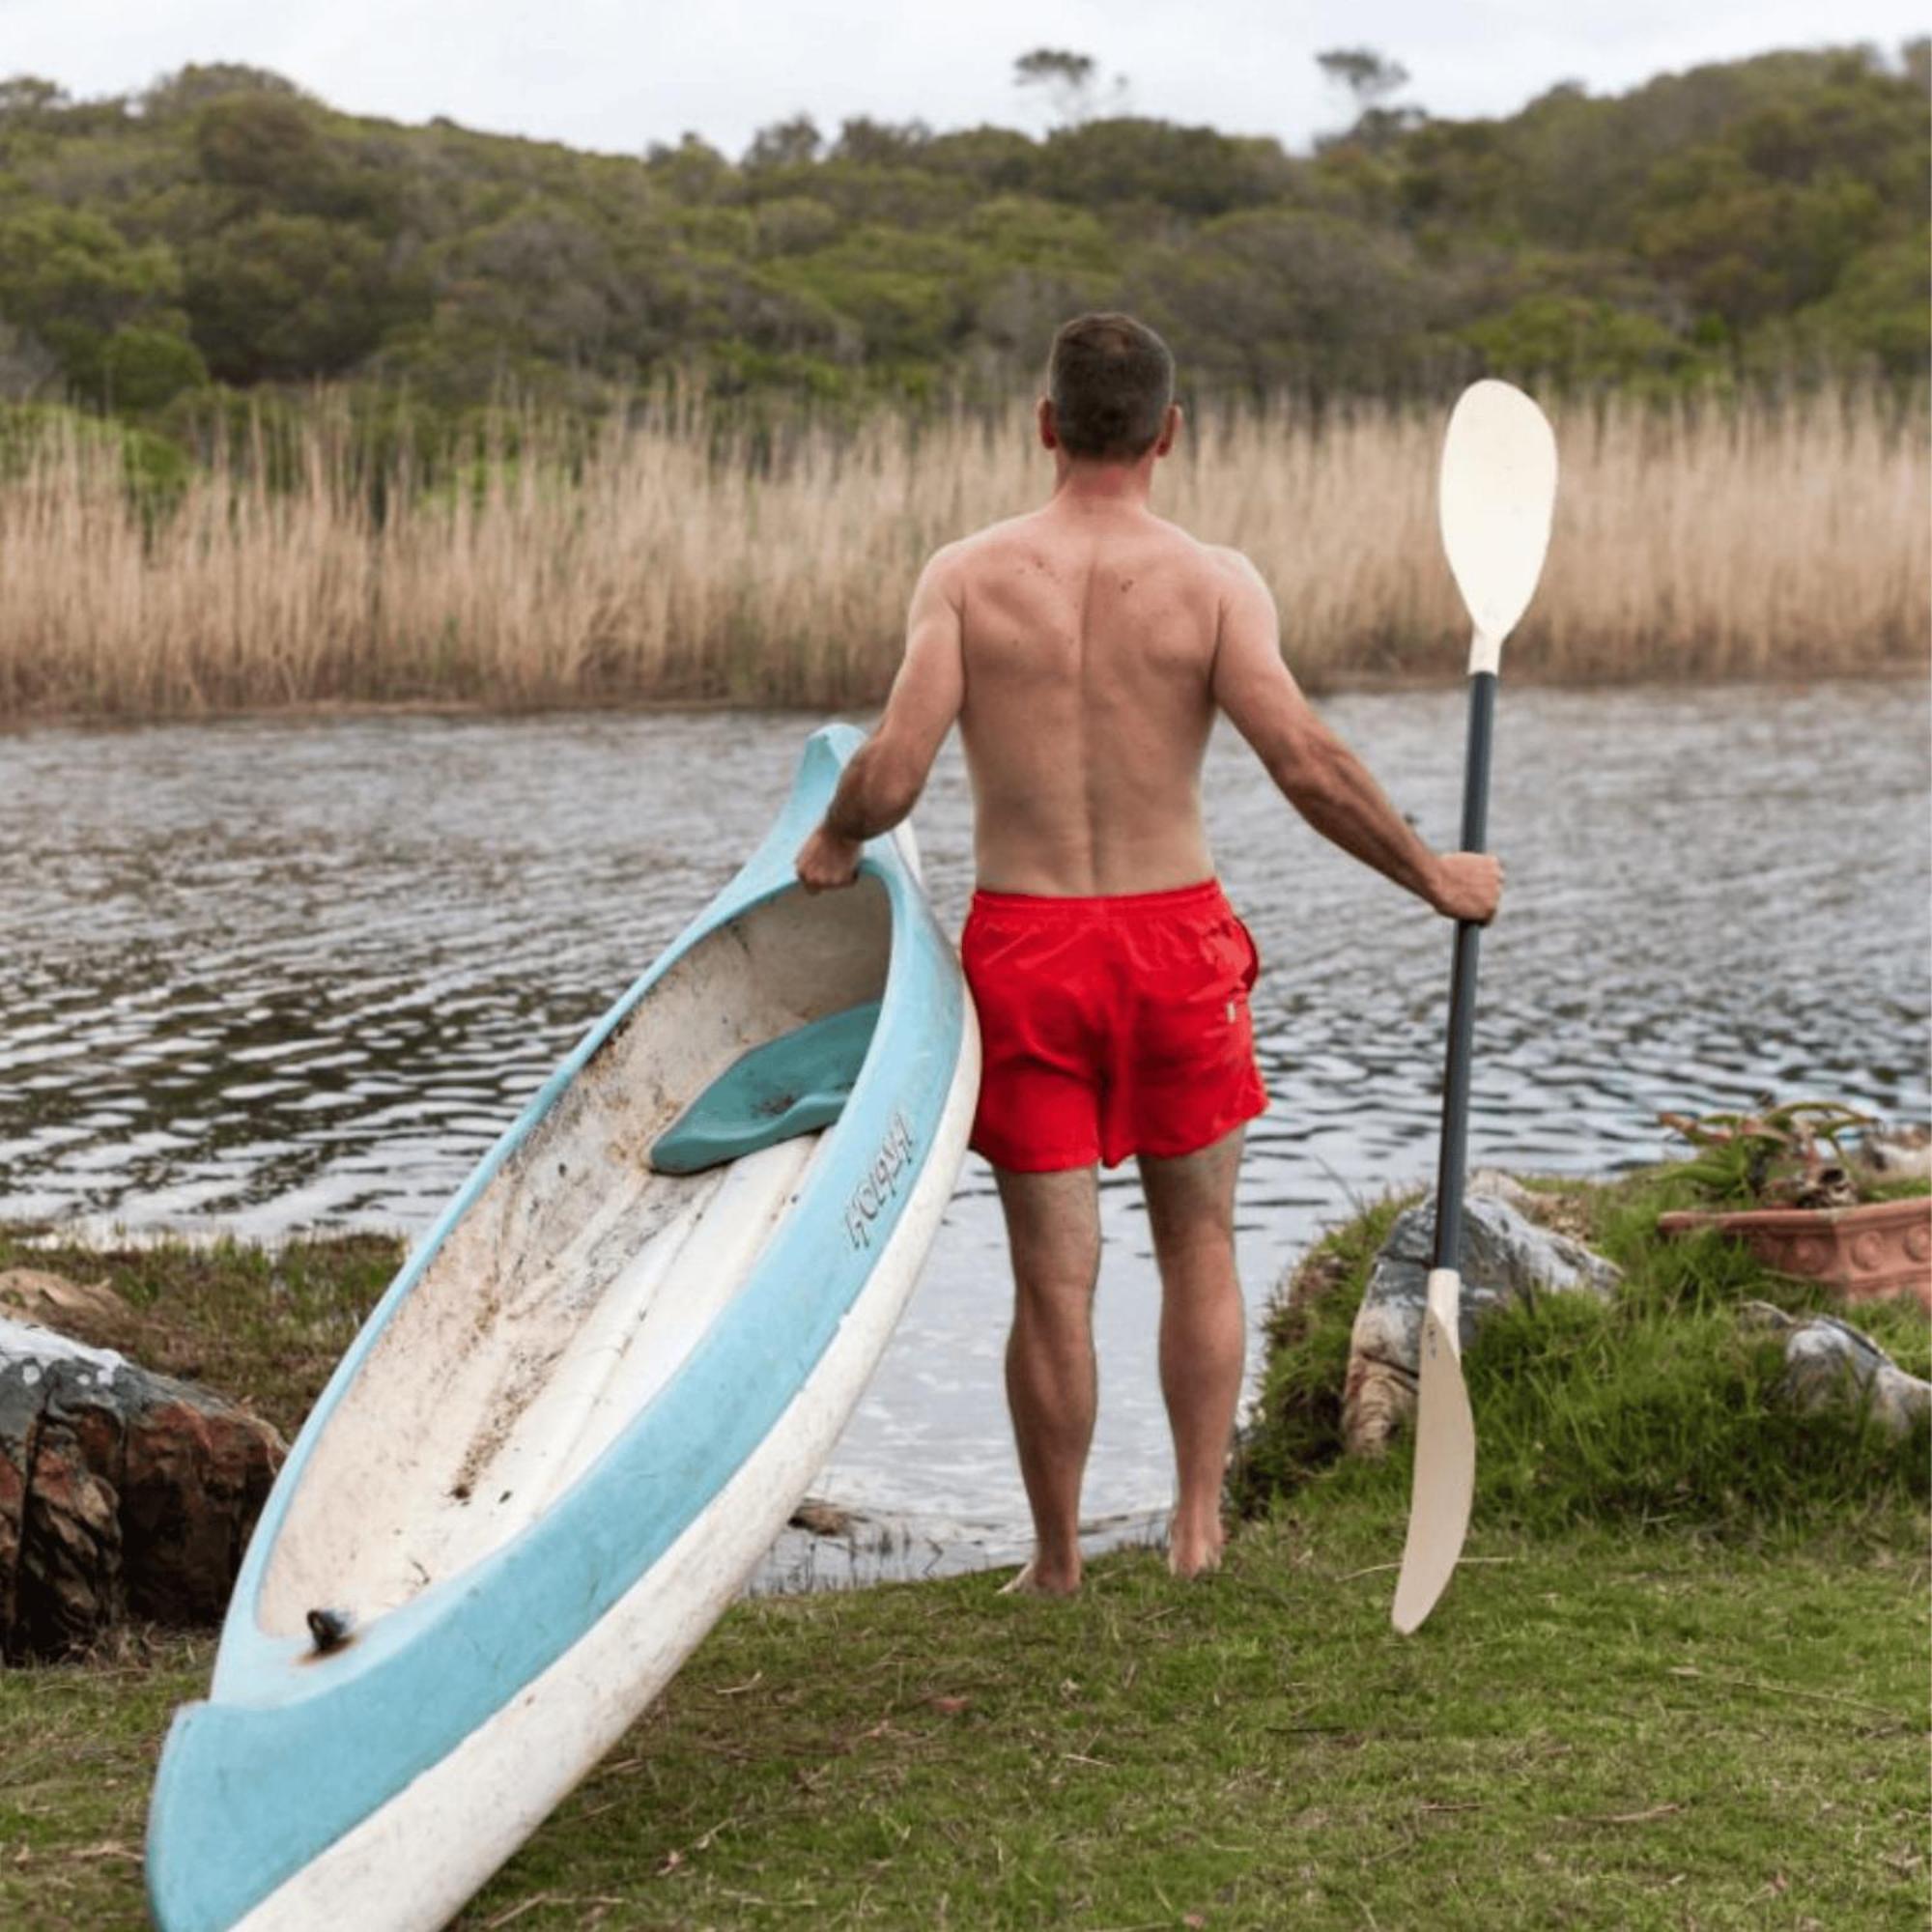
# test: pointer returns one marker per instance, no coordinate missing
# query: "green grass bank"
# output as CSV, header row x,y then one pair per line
x,y
1603,1730
1661,1409
1680,1680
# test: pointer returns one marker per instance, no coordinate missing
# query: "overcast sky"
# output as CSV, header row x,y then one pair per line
x,y
618,74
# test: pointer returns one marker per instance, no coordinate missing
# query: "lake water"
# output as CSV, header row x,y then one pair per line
x,y
262,975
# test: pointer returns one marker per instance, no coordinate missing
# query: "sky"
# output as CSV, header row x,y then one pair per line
x,y
618,74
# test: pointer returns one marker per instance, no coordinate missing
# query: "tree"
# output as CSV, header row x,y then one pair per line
x,y
1280,296
261,144
71,280
1368,76
785,144
694,170
881,143
1569,339
292,296
1072,82
1370,79
194,87
1196,170
26,96
144,367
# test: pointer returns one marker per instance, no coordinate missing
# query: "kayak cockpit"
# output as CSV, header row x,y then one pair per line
x,y
581,1277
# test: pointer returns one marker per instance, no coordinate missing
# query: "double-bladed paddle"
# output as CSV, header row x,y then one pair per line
x,y
1498,489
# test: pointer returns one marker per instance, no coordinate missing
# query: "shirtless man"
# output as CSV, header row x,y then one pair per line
x,y
1084,650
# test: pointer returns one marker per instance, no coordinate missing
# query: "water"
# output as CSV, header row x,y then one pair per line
x,y
262,975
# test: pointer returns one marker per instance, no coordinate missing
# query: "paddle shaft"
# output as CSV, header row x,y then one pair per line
x,y
1453,1161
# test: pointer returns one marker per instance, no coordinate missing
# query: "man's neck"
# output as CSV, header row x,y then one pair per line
x,y
1103,485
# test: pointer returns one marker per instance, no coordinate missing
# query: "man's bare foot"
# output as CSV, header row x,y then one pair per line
x,y
1037,1580
1193,1550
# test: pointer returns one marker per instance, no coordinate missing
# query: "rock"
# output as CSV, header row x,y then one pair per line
x,y
121,1492
1829,1363
1898,1152
1506,1258
89,1311
1494,1185
821,1519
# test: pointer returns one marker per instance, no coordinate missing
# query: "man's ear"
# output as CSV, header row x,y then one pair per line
x,y
1049,432
1169,430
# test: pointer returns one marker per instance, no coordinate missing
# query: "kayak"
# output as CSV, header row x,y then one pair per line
x,y
584,1409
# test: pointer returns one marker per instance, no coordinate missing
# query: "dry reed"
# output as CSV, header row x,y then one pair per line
x,y
1779,537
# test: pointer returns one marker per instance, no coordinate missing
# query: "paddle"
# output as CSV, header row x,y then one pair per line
x,y
1498,488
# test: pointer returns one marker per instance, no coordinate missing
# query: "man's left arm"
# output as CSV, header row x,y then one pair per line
x,y
885,776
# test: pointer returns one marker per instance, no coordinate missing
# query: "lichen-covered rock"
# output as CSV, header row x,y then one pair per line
x,y
120,1491
1828,1364
1506,1258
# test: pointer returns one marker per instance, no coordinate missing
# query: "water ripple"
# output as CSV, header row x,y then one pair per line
x,y
269,975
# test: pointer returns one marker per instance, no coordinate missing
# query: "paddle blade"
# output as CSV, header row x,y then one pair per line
x,y
1445,1461
1498,493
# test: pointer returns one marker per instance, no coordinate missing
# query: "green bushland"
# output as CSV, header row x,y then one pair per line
x,y
1658,1407
224,230
299,407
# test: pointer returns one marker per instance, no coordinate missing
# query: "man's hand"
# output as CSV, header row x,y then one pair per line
x,y
826,861
1467,886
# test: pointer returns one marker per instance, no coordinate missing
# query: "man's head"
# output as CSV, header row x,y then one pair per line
x,y
1109,391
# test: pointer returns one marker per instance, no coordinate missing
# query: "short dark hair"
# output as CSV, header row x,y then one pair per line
x,y
1110,379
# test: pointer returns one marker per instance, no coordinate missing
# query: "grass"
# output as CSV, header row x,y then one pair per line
x,y
1661,1407
1659,1694
665,560
1597,1729
264,1326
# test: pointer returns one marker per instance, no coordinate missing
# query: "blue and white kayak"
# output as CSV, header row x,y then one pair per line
x,y
584,1409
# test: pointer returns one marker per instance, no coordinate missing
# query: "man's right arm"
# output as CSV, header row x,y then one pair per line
x,y
885,776
1318,774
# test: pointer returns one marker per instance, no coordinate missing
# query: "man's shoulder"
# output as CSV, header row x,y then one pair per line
x,y
996,536
1228,561
1217,560
975,544
1234,571
966,559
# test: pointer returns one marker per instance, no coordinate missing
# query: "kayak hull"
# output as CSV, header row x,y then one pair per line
x,y
534,1496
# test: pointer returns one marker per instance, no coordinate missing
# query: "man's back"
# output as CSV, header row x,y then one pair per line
x,y
1083,651
1087,633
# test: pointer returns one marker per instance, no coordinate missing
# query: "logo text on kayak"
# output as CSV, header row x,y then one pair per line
x,y
881,1182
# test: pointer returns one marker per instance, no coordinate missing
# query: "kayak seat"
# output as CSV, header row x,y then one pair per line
x,y
796,1084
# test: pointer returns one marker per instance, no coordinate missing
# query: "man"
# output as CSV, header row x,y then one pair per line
x,y
1084,650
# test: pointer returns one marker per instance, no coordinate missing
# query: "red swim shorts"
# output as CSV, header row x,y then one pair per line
x,y
1110,1026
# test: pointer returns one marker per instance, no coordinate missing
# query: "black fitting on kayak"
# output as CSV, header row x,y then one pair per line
x,y
330,1628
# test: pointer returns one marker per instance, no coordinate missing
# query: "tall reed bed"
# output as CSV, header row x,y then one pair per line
x,y
670,558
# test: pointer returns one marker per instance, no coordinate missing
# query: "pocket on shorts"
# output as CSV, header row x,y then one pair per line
x,y
1191,1006
1236,955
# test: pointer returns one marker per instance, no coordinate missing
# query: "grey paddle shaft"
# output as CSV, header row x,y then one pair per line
x,y
1454,1159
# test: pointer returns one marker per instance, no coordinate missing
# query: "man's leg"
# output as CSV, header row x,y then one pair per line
x,y
1203,1330
1053,1227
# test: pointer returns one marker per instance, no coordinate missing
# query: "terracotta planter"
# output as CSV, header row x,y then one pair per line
x,y
1868,1253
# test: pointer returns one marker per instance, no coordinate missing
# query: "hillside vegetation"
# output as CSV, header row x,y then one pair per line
x,y
224,228
298,407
